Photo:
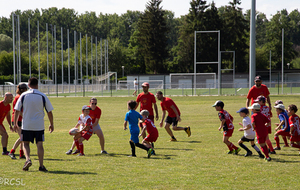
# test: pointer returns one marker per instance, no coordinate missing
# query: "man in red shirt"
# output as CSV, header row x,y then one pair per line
x,y
5,113
167,104
147,99
257,90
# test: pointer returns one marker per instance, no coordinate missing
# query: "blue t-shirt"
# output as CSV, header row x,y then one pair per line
x,y
284,117
133,117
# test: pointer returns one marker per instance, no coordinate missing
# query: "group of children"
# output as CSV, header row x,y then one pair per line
x,y
260,123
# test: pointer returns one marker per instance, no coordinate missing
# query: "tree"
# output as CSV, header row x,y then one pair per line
x,y
6,43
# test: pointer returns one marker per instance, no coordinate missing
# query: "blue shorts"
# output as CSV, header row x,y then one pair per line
x,y
134,137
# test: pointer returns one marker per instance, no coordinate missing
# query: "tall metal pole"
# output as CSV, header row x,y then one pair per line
x,y
101,60
75,81
29,47
92,58
55,56
195,60
270,74
86,55
252,63
69,80
52,54
20,74
62,59
81,62
96,58
38,31
47,53
14,46
105,73
219,62
282,61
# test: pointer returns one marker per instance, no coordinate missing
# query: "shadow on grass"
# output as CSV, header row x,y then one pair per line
x,y
191,141
112,155
70,172
284,161
176,149
52,159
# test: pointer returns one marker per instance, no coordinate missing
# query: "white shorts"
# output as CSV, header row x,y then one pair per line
x,y
135,87
97,127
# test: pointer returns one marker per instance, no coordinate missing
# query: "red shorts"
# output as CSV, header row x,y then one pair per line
x,y
269,130
86,134
283,133
151,138
295,138
228,133
151,117
2,127
261,139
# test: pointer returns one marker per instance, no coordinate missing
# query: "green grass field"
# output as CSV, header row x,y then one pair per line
x,y
196,162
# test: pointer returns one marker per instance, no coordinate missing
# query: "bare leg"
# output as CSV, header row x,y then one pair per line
x,y
169,131
4,138
40,151
101,138
26,150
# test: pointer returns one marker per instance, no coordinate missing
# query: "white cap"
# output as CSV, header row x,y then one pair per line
x,y
255,106
280,106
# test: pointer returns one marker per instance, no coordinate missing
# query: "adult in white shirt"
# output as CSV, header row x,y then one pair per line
x,y
32,104
135,85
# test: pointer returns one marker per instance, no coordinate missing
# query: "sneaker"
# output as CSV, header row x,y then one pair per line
x,y
173,139
5,153
230,152
237,151
248,154
132,156
103,152
149,152
268,159
277,148
69,152
22,157
153,152
273,152
286,146
76,152
261,155
188,131
12,155
43,169
80,154
27,165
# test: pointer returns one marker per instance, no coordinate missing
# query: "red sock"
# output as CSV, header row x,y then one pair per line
x,y
21,153
81,147
295,146
285,141
12,151
265,151
270,145
77,144
276,138
232,146
229,148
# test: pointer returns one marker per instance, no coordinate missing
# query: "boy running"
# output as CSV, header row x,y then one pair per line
x,y
226,124
133,117
260,123
249,133
284,123
294,125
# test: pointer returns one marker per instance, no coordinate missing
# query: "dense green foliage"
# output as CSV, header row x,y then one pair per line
x,y
154,41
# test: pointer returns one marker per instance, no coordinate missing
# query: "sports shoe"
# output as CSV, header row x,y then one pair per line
x,y
69,152
76,152
261,155
5,153
286,146
43,169
230,152
188,131
268,159
80,154
103,152
173,139
236,151
12,155
153,152
248,154
272,152
277,148
27,165
149,152
22,157
132,156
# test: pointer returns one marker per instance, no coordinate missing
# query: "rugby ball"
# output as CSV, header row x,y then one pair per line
x,y
73,131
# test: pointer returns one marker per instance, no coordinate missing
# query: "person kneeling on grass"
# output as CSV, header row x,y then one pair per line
x,y
86,132
249,133
133,117
151,130
294,125
284,123
260,123
227,125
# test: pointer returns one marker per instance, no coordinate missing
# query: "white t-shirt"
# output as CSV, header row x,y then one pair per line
x,y
33,103
135,84
249,133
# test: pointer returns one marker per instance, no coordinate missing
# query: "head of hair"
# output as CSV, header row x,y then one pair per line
x,y
159,92
293,107
33,81
20,90
135,79
93,99
145,113
131,104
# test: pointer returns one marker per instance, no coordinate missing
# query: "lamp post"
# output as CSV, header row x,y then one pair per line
x,y
288,64
122,71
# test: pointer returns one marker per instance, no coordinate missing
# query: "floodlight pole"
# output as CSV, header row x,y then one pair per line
x,y
13,29
270,75
252,63
282,61
62,60
80,62
69,80
38,31
29,47
47,54
20,76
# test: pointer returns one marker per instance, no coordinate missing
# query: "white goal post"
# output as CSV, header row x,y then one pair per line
x,y
128,84
185,80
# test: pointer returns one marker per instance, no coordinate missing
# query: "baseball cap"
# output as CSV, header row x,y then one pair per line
x,y
22,85
260,98
257,78
218,103
278,102
85,107
280,106
255,106
243,110
145,84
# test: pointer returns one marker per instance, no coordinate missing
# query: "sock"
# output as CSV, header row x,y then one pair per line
x,y
21,153
77,144
270,145
152,145
256,148
173,137
229,147
295,145
81,147
265,151
232,146
285,141
12,151
4,149
276,138
244,147
132,148
141,146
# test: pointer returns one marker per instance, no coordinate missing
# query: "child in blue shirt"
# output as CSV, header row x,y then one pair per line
x,y
133,117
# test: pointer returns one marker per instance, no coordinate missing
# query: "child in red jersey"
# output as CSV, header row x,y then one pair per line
x,y
226,124
261,100
294,126
260,124
87,130
151,130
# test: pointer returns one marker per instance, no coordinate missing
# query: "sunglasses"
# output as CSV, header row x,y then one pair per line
x,y
94,103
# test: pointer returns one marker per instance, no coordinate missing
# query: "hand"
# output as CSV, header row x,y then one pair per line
x,y
16,127
241,124
156,117
220,128
276,124
241,129
11,129
125,128
51,128
140,135
178,118
161,124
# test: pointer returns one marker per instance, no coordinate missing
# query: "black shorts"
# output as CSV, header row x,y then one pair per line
x,y
171,120
31,135
19,123
246,139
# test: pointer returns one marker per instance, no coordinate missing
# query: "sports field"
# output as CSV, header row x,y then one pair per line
x,y
196,162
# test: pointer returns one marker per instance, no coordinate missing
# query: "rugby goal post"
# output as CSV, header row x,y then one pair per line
x,y
185,80
128,84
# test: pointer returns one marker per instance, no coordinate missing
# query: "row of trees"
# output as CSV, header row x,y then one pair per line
x,y
154,41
